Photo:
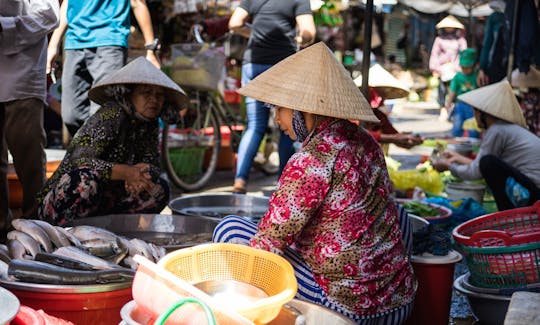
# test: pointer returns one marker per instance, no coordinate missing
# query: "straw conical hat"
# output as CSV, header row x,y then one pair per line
x,y
384,83
526,80
314,81
497,99
139,71
449,22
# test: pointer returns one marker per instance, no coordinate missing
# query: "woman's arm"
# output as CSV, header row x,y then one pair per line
x,y
306,30
237,22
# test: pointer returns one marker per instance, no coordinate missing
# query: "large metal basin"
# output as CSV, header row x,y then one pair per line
x,y
170,231
217,206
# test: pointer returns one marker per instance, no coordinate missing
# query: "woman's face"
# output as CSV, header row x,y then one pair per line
x,y
148,100
283,119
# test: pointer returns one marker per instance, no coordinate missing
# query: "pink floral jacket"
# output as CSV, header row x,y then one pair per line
x,y
333,202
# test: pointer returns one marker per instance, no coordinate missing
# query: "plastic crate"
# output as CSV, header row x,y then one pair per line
x,y
197,66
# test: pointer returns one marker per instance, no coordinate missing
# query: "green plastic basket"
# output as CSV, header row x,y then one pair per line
x,y
504,266
187,161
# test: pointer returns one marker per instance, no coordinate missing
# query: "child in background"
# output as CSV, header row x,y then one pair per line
x,y
464,81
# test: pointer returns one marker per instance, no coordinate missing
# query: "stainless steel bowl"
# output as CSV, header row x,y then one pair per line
x,y
170,231
489,309
217,206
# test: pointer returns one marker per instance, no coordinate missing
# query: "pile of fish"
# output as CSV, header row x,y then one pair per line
x,y
38,252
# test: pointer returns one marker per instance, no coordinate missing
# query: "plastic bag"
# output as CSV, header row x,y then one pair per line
x,y
428,180
516,193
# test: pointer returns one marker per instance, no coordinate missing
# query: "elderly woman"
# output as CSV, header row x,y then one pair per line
x,y
332,215
509,153
112,163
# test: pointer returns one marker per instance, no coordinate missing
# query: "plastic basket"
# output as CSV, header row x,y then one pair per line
x,y
504,228
503,267
502,249
187,161
222,261
197,66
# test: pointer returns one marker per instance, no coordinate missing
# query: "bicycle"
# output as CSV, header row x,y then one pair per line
x,y
190,150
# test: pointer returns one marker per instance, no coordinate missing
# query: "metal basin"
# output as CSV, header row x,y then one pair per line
x,y
170,231
218,206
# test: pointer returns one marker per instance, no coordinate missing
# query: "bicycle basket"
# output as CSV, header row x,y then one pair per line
x,y
187,161
197,65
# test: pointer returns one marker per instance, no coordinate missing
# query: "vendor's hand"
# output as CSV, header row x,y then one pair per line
x,y
406,140
138,179
440,165
452,156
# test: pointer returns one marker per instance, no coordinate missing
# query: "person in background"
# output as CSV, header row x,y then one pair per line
x,y
529,85
112,164
278,29
509,153
96,42
492,62
332,214
382,86
24,27
463,81
444,57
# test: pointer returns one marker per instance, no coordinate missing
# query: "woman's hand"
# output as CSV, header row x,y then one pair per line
x,y
136,178
453,156
404,140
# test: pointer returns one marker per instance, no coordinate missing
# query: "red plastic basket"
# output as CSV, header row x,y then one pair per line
x,y
502,249
505,228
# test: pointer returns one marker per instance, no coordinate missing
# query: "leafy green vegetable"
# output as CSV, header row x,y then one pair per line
x,y
420,209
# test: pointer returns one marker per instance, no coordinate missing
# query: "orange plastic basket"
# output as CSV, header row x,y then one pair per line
x,y
223,261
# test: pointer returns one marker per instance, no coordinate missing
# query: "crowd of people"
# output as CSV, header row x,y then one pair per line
x,y
333,214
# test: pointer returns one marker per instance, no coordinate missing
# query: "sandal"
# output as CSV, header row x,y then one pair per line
x,y
239,186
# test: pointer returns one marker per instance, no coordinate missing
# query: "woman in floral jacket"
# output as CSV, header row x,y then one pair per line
x,y
332,215
112,163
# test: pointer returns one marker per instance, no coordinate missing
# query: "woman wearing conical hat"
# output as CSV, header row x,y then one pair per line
x,y
509,155
112,164
444,57
332,215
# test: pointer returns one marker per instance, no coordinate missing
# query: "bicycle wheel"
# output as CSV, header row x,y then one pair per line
x,y
190,151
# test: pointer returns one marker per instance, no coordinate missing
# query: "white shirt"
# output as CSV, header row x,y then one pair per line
x,y
515,145
23,47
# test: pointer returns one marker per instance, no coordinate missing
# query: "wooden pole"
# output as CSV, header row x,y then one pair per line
x,y
366,48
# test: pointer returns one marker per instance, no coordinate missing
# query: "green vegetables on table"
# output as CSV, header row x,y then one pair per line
x,y
420,209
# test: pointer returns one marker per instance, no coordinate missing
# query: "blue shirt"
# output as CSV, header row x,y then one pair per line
x,y
96,23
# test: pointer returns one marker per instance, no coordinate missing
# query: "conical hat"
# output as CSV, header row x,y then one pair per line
x,y
139,71
526,80
449,22
384,83
497,99
314,81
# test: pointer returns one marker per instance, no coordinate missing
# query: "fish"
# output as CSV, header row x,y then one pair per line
x,y
16,249
88,233
118,257
32,229
74,240
29,243
4,270
4,253
102,248
57,238
124,242
63,261
143,248
157,251
80,255
39,272
130,262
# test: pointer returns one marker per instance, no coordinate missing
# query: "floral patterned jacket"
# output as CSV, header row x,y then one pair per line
x,y
334,204
110,136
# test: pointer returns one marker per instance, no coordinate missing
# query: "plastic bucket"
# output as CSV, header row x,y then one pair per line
x,y
96,304
463,190
435,275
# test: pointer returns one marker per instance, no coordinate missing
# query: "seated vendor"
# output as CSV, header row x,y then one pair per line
x,y
382,86
509,152
112,164
332,215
